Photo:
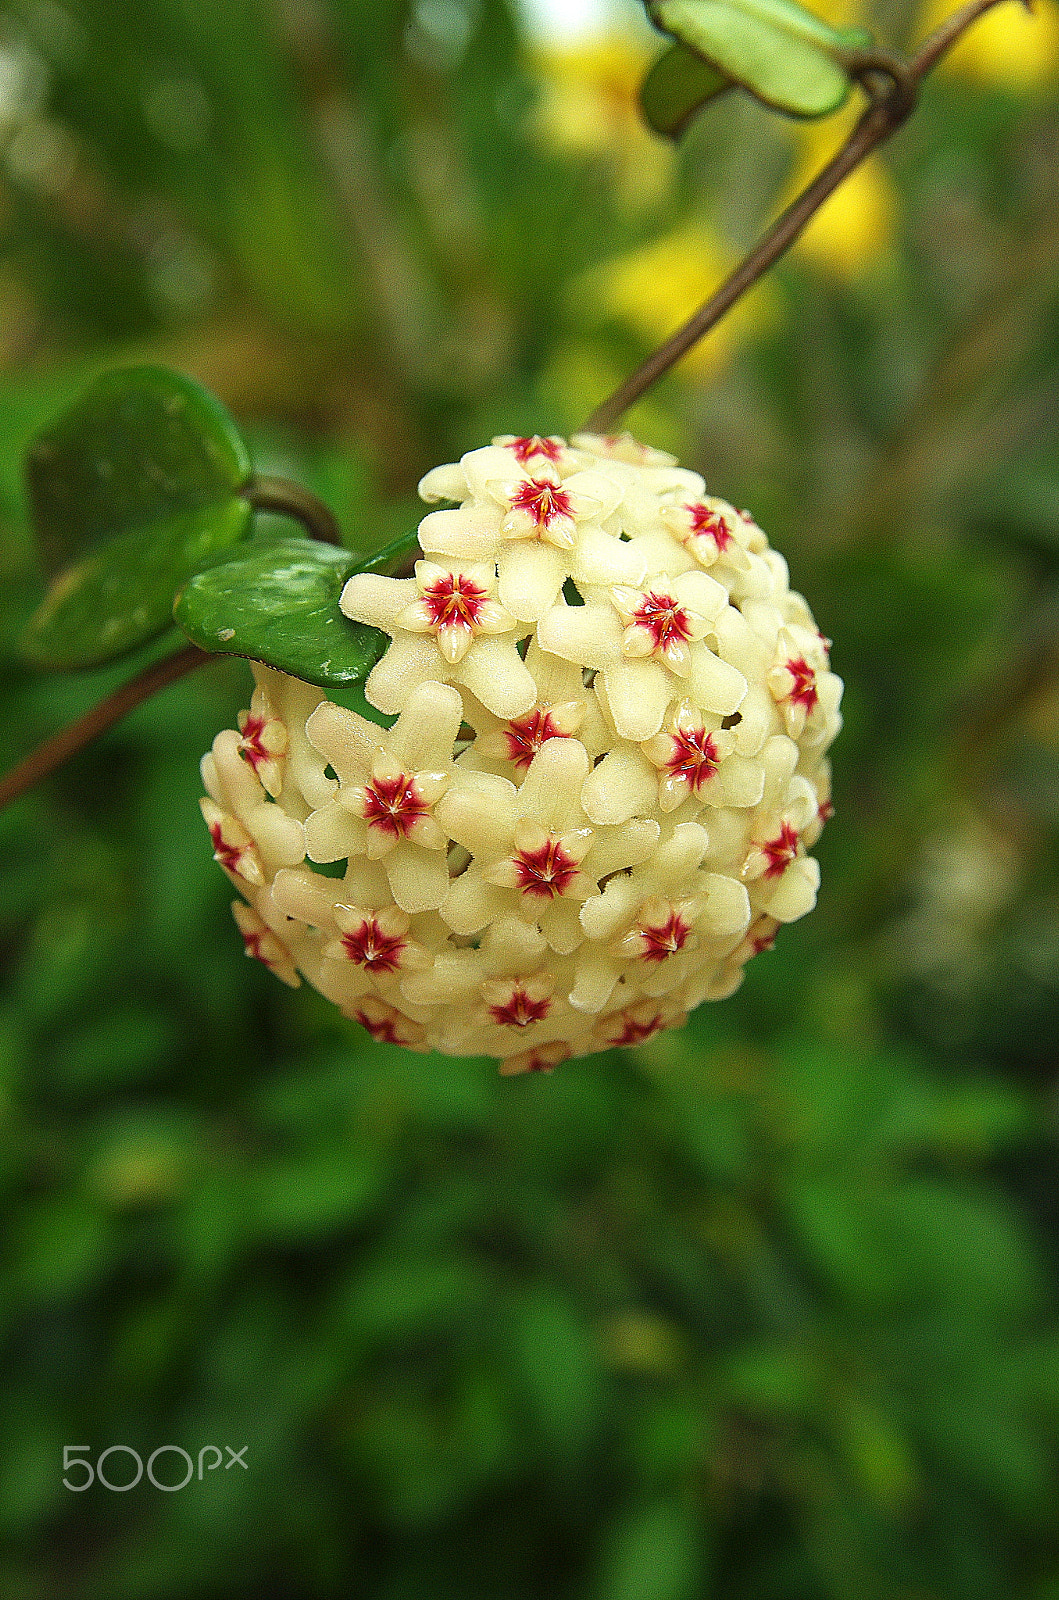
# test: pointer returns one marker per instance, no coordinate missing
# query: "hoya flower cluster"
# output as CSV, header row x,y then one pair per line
x,y
594,805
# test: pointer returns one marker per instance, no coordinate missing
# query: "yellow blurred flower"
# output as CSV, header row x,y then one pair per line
x,y
1008,48
841,13
590,107
657,287
857,223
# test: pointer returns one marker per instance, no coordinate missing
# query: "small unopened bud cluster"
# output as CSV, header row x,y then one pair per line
x,y
594,805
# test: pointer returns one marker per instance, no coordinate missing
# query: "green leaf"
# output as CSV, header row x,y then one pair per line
x,y
780,52
278,603
558,1362
141,447
655,1551
304,1197
678,85
122,595
396,1297
394,555
131,489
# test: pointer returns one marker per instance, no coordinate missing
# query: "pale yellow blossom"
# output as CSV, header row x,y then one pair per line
x,y
597,799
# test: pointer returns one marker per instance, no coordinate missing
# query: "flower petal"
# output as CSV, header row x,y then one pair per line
x,y
469,533
622,784
480,815
588,634
368,597
714,684
551,792
410,661
419,879
531,576
471,903
331,834
637,693
496,673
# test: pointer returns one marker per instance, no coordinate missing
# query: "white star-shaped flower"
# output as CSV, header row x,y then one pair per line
x,y
646,646
447,627
607,765
533,851
389,784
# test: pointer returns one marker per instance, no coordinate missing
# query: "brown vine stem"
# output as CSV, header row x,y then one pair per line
x,y
267,493
892,86
264,493
893,89
62,745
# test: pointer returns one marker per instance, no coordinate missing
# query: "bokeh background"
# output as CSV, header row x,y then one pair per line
x,y
765,1310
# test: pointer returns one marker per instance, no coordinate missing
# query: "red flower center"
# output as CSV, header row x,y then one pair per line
x,y
252,941
384,1029
780,851
708,524
633,1032
520,1010
394,805
546,871
694,757
542,501
525,448
664,619
803,691
229,855
371,948
825,811
664,939
526,734
250,747
541,1061
454,601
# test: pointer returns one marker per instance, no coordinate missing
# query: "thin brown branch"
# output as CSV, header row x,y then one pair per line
x,y
943,38
267,493
68,741
892,100
892,88
264,493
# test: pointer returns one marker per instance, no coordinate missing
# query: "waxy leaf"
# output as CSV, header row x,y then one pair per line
x,y
141,446
395,560
132,489
776,49
678,85
121,595
277,602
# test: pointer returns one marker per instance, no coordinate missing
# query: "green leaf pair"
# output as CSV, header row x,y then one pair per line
x,y
137,493
775,49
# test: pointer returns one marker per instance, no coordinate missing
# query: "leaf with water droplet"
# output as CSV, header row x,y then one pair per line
x,y
121,595
130,490
278,602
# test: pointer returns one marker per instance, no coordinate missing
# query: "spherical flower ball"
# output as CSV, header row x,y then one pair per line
x,y
604,766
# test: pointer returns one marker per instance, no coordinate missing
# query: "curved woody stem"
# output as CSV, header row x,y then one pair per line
x,y
892,86
66,743
266,493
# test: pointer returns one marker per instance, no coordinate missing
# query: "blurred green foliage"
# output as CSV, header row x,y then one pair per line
x,y
762,1311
